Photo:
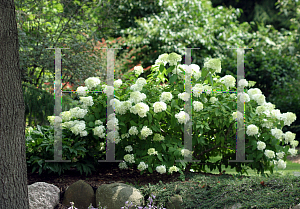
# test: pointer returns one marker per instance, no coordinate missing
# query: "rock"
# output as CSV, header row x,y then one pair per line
x,y
114,196
175,202
43,195
235,206
81,193
297,206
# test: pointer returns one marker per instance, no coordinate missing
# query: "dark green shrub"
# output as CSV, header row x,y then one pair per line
x,y
40,147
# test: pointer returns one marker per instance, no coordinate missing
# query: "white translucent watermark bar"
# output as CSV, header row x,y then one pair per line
x,y
240,141
57,109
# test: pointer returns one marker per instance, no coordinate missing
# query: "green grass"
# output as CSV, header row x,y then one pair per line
x,y
290,169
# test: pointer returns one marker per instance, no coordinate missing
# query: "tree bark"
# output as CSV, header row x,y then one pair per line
x,y
13,167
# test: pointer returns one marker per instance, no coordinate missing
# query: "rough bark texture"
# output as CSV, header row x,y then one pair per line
x,y
13,168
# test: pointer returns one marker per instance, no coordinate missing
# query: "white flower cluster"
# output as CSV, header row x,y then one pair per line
x,y
182,117
288,118
173,169
277,133
162,59
92,82
237,115
138,70
128,148
256,94
161,169
118,83
214,65
184,96
133,130
87,101
213,99
197,90
172,59
151,151
186,152
159,107
166,96
129,158
78,113
267,124
123,136
252,130
228,80
233,96
181,69
140,108
145,132
82,91
244,97
158,137
243,82
289,137
197,106
142,166
123,165
78,128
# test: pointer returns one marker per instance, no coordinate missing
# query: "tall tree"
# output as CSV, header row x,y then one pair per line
x,y
13,168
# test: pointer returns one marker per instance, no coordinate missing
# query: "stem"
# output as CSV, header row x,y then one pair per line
x,y
202,153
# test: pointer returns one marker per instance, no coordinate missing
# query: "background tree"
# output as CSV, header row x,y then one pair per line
x,y
13,168
260,11
50,24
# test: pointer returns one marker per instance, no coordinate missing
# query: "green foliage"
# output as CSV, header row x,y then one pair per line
x,y
260,11
40,27
39,104
190,24
40,147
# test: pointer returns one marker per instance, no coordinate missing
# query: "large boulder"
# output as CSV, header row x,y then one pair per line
x,y
114,196
81,193
43,195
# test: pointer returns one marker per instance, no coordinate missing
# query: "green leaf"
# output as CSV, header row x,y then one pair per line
x,y
122,124
39,141
159,157
217,112
210,80
163,146
132,123
149,118
161,68
171,149
173,79
91,124
259,156
203,74
97,116
201,140
169,145
150,169
177,107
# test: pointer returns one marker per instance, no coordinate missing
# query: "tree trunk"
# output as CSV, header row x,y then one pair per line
x,y
13,167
